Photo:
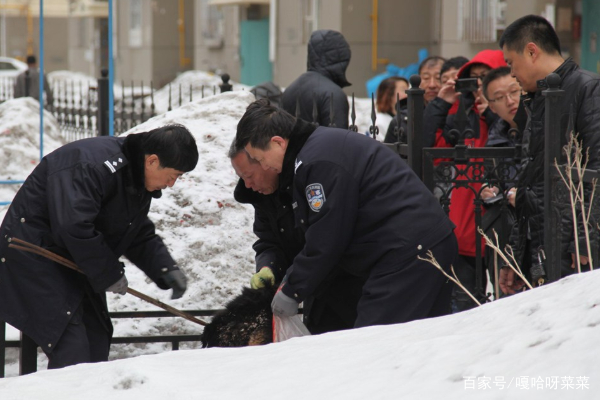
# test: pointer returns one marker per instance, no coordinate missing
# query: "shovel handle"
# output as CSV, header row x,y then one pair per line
x,y
31,248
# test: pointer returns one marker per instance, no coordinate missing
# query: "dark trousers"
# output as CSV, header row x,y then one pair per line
x,y
414,290
334,308
465,268
84,340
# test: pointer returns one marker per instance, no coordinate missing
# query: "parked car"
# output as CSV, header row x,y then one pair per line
x,y
11,67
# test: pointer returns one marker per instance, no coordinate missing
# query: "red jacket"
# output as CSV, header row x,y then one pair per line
x,y
462,208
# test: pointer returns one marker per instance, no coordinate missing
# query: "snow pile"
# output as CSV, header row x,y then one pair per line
x,y
201,84
209,234
535,345
20,141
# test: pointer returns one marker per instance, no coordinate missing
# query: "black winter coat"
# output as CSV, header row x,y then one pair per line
x,y
85,201
332,306
361,207
393,136
279,241
582,93
328,58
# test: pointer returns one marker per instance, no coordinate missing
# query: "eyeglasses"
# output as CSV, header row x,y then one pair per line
x,y
480,77
513,95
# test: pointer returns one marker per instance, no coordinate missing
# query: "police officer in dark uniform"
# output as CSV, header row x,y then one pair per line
x,y
88,201
279,241
362,209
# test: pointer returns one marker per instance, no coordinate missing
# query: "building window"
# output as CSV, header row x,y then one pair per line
x,y
135,23
480,20
212,24
82,37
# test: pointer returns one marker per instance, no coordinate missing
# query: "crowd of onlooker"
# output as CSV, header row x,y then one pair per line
x,y
493,87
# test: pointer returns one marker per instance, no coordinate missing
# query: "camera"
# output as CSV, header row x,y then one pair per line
x,y
466,85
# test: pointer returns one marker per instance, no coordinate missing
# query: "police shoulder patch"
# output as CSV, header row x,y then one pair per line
x,y
315,195
115,163
297,165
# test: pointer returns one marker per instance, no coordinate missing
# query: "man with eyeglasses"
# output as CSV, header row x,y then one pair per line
x,y
503,93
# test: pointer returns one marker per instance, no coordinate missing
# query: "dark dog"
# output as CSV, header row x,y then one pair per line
x,y
246,321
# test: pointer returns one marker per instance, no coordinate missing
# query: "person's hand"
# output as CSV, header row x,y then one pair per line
x,y
284,306
583,260
508,281
177,281
489,192
447,92
480,102
511,196
259,280
119,287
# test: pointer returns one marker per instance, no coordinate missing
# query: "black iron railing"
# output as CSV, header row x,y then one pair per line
x,y
81,109
28,348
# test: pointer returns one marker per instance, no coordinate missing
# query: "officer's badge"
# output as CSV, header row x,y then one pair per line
x,y
315,196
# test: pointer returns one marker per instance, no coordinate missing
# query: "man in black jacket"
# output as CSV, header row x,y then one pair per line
x,y
532,51
88,201
362,210
327,60
279,241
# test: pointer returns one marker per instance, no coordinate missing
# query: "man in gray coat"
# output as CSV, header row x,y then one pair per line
x,y
27,83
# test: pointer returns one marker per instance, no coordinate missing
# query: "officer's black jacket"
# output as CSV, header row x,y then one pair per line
x,y
278,240
87,202
360,205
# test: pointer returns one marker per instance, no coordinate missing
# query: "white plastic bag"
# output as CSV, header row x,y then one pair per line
x,y
285,328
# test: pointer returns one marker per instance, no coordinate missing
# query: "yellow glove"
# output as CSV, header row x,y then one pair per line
x,y
259,280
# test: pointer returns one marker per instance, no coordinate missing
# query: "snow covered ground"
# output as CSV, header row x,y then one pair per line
x,y
537,345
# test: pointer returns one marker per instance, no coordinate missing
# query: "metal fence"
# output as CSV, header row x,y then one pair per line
x,y
28,352
477,160
81,108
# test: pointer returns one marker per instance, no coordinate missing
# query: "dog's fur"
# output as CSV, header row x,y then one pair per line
x,y
246,321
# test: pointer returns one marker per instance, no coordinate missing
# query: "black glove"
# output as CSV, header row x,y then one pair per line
x,y
119,287
177,281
